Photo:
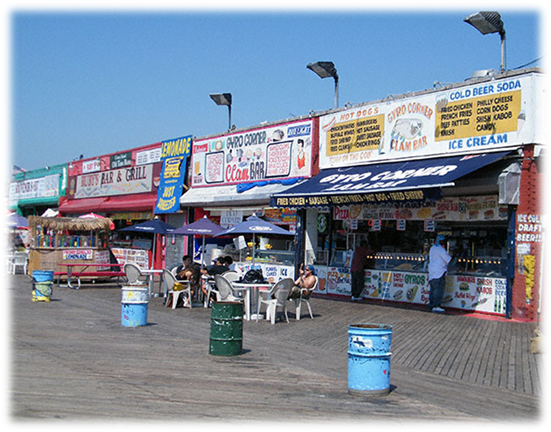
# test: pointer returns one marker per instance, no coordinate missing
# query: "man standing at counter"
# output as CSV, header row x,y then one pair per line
x,y
439,259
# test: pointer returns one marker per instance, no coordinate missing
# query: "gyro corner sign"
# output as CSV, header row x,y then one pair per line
x,y
269,153
466,119
173,154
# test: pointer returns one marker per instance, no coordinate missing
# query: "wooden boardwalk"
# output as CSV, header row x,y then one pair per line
x,y
72,359
481,351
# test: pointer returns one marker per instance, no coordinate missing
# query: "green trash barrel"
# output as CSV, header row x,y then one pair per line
x,y
226,329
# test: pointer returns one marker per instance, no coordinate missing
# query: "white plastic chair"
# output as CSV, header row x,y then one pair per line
x,y
19,260
305,294
225,290
280,293
134,274
170,281
231,275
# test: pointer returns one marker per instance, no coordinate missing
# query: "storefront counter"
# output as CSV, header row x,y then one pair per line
x,y
469,292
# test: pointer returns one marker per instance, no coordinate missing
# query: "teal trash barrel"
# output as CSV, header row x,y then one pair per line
x,y
135,301
4,272
226,328
369,359
43,281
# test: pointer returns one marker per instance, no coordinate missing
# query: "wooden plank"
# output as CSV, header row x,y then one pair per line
x,y
455,352
435,349
511,375
474,362
499,359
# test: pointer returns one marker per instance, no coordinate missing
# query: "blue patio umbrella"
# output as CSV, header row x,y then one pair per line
x,y
14,220
153,226
254,225
203,227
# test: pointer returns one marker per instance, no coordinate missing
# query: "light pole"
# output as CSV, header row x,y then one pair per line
x,y
326,69
486,23
223,99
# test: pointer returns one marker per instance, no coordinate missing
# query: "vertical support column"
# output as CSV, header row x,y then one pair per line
x,y
511,225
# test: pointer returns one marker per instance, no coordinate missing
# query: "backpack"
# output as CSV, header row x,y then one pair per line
x,y
253,276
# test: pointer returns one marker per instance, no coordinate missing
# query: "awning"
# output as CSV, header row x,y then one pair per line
x,y
229,195
117,203
416,180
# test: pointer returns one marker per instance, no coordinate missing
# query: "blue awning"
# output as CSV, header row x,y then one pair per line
x,y
416,180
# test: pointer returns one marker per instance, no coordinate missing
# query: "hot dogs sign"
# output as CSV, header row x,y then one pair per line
x,y
475,118
271,153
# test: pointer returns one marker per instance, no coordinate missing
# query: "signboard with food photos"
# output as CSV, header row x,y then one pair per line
x,y
276,152
457,209
464,292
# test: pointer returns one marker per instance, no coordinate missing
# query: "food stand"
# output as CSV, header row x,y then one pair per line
x,y
58,242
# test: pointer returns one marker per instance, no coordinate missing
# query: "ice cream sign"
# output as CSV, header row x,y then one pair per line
x,y
472,118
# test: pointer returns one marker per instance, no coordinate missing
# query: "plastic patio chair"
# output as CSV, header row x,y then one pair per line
x,y
305,294
225,290
18,260
280,292
134,274
170,281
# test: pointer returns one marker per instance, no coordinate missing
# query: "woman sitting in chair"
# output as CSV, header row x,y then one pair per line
x,y
307,280
189,271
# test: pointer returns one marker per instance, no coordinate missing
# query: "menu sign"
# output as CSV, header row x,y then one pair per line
x,y
494,115
271,153
468,119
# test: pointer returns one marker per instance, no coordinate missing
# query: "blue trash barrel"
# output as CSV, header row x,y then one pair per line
x,y
369,359
43,281
4,272
135,299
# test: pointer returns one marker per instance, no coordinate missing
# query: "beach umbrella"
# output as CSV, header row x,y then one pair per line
x,y
203,227
254,225
96,216
14,220
153,226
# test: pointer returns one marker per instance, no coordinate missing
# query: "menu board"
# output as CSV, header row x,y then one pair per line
x,y
356,135
478,117
470,118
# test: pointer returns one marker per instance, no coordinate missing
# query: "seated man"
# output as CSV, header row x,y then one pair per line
x,y
219,267
189,271
306,280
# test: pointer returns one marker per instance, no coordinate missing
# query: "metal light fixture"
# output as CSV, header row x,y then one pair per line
x,y
487,23
223,99
326,69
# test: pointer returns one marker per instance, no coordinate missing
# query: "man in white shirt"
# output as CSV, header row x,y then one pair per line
x,y
438,267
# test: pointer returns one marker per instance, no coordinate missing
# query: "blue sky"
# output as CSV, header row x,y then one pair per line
x,y
98,81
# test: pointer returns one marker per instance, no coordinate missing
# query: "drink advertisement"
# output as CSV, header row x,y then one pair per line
x,y
474,118
174,154
272,153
